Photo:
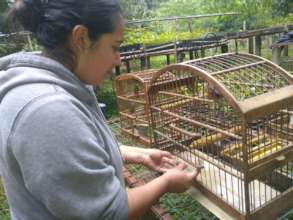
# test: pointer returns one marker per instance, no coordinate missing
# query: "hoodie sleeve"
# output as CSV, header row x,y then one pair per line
x,y
63,162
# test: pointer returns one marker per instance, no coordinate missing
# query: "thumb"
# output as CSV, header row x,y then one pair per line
x,y
196,171
192,175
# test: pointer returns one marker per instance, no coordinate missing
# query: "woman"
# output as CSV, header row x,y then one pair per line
x,y
58,158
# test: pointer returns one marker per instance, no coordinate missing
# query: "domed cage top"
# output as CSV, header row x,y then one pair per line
x,y
133,105
232,114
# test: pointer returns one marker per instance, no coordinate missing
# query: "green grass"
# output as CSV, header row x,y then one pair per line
x,y
183,206
4,209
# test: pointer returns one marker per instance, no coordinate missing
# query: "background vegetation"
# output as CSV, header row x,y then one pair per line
x,y
254,13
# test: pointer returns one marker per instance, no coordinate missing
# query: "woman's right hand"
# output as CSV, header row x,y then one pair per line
x,y
178,179
175,180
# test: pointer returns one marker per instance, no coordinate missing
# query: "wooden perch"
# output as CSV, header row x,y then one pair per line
x,y
265,150
236,148
182,131
175,104
214,138
127,115
259,151
197,123
186,97
131,100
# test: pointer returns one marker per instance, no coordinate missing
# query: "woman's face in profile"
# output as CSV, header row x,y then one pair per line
x,y
98,61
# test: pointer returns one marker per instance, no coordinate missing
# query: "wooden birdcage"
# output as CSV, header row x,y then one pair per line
x,y
131,91
232,114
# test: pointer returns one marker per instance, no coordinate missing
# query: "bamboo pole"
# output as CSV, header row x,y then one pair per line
x,y
187,97
214,138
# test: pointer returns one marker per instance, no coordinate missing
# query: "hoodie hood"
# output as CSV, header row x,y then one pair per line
x,y
27,68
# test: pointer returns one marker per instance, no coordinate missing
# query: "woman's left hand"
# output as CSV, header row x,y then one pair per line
x,y
158,160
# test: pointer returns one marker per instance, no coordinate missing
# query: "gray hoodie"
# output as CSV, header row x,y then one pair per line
x,y
58,158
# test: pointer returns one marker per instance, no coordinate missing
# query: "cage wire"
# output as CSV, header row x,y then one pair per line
x,y
193,117
178,206
217,126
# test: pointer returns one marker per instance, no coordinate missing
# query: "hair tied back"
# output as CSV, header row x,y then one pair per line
x,y
29,13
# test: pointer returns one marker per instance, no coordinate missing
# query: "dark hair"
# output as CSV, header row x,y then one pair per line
x,y
51,21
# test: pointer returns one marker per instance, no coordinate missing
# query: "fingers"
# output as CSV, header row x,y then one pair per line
x,y
181,166
168,155
192,175
167,164
196,172
165,168
169,161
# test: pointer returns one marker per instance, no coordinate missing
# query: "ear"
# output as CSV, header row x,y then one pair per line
x,y
80,38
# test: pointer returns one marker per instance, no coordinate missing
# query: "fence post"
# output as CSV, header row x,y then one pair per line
x,y
127,62
143,59
258,45
276,55
148,62
202,53
168,58
191,54
250,45
224,48
175,42
285,51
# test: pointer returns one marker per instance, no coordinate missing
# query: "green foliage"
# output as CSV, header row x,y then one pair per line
x,y
4,23
4,209
282,8
138,9
256,13
106,94
32,45
3,5
145,36
134,9
282,20
183,206
9,47
178,8
17,43
3,8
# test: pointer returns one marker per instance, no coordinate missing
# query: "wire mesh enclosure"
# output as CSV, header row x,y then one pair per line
x,y
233,114
133,106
